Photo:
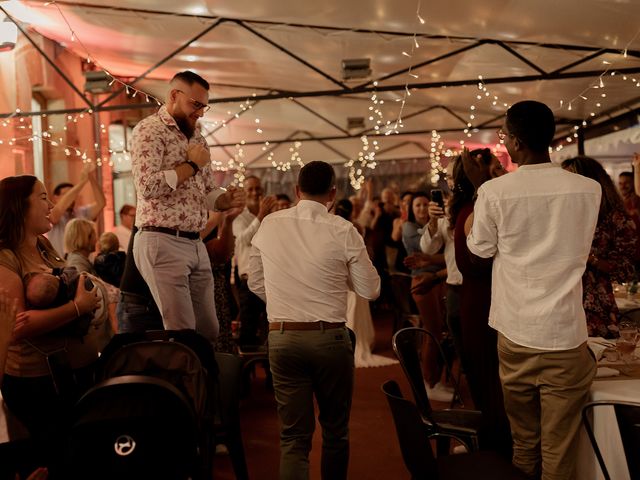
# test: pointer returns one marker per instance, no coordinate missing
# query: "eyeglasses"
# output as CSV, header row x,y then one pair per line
x,y
196,104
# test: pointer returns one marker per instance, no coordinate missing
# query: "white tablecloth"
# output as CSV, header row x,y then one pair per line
x,y
605,427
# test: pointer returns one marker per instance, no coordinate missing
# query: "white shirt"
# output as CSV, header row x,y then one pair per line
x,y
538,222
244,228
432,245
123,234
305,260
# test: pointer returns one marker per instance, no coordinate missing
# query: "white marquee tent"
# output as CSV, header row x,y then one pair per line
x,y
283,59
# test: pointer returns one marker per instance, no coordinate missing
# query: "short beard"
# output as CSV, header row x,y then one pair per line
x,y
184,126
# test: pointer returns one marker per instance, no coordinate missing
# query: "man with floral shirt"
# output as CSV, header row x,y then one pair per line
x,y
175,190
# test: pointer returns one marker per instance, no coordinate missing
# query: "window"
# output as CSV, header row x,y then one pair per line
x,y
123,189
38,150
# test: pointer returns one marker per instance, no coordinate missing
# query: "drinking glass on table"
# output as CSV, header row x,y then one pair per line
x,y
626,344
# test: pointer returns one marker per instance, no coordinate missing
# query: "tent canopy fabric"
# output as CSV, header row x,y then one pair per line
x,y
275,65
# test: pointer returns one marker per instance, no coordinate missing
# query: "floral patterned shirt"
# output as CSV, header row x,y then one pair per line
x,y
158,146
614,242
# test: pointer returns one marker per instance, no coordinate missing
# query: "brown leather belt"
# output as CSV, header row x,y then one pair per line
x,y
321,325
171,231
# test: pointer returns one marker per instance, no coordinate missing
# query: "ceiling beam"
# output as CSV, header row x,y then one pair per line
x,y
561,46
428,85
70,111
349,137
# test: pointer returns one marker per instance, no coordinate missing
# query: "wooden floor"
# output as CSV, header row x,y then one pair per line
x,y
374,448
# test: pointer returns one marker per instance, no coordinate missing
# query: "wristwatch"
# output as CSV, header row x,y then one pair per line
x,y
193,165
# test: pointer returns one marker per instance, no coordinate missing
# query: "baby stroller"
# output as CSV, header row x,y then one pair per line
x,y
151,415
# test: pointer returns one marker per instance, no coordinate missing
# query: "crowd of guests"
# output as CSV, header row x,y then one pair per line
x,y
66,291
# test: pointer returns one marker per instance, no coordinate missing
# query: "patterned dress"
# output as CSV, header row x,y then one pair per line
x,y
614,242
226,307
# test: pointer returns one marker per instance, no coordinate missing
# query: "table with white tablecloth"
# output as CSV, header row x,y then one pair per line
x,y
605,427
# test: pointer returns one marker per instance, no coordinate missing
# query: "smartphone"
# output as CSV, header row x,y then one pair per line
x,y
88,284
437,197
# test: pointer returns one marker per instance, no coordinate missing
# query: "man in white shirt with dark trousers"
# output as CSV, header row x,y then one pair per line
x,y
303,262
538,224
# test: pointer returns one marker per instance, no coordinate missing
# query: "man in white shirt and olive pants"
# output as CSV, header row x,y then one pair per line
x,y
538,223
303,262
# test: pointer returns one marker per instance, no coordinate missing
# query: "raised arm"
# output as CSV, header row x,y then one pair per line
x,y
71,195
98,195
220,249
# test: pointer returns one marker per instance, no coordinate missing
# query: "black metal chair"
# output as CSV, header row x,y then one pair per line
x,y
628,417
408,344
414,438
405,311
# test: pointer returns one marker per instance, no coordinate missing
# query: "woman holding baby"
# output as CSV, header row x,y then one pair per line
x,y
41,342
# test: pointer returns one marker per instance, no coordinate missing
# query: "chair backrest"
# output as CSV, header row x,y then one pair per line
x,y
407,345
628,419
132,427
412,435
400,288
183,357
628,416
227,396
632,316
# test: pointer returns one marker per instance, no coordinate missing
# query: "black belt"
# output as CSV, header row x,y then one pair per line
x,y
134,298
321,325
171,231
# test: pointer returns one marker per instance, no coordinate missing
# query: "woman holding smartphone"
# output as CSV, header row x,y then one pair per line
x,y
38,343
479,342
427,281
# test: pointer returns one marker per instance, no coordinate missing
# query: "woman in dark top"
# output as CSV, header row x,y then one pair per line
x,y
612,251
427,284
479,341
220,245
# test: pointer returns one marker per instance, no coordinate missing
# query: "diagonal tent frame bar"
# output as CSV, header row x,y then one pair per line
x,y
48,60
580,61
161,62
321,117
289,53
417,66
521,57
